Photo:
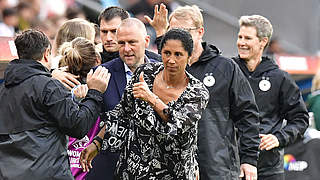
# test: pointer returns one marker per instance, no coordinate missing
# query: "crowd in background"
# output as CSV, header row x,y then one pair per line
x,y
46,15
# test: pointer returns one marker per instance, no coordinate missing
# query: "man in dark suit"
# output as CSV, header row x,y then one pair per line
x,y
133,40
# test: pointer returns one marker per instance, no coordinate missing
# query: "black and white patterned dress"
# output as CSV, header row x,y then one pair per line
x,y
149,147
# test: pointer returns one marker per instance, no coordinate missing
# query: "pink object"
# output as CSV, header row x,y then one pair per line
x,y
75,146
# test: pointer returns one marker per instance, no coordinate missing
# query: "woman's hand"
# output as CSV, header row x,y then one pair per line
x,y
248,171
81,91
268,141
87,156
142,91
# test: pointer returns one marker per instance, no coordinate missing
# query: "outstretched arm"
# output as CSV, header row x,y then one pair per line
x,y
72,118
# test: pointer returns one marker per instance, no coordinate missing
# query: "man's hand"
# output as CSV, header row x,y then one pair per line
x,y
268,141
248,171
67,79
99,79
160,20
87,156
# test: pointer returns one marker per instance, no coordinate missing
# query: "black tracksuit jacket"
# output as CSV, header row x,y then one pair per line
x,y
278,98
231,110
36,115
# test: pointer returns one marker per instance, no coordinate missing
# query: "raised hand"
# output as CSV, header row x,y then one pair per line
x,y
141,89
160,19
98,80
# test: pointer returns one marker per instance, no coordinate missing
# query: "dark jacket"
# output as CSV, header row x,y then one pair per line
x,y
108,56
112,97
36,114
278,98
231,106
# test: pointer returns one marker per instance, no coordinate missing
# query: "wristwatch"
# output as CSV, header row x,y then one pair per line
x,y
166,111
99,139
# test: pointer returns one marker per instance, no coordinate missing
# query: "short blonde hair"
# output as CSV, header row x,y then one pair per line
x,y
74,28
262,25
185,12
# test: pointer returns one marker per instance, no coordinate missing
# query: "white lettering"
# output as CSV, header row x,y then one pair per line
x,y
74,153
121,131
114,142
74,160
116,130
298,166
75,165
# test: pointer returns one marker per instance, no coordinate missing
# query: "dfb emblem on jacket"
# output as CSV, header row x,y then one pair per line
x,y
264,84
209,80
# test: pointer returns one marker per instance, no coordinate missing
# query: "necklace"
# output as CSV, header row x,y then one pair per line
x,y
167,86
164,82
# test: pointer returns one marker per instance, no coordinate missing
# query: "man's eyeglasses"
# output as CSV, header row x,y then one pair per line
x,y
186,29
190,29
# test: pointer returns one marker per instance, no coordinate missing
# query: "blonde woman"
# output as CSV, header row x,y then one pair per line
x,y
80,56
70,30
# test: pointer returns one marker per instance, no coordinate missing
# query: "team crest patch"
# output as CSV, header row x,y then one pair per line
x,y
209,80
264,84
